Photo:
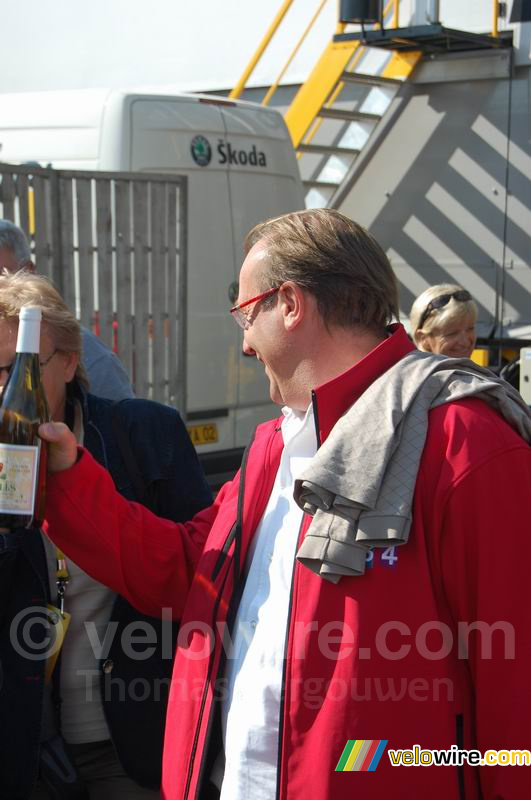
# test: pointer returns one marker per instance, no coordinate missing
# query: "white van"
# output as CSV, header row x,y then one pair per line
x,y
241,169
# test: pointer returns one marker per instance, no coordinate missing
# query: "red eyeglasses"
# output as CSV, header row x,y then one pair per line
x,y
241,318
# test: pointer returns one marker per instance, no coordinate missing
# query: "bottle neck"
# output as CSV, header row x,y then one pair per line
x,y
28,339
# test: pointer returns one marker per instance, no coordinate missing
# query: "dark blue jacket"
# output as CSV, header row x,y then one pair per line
x,y
171,483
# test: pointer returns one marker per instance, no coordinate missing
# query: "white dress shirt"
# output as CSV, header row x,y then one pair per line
x,y
251,711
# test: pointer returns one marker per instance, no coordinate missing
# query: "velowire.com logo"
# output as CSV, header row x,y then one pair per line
x,y
361,755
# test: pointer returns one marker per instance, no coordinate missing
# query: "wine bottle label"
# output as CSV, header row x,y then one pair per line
x,y
18,478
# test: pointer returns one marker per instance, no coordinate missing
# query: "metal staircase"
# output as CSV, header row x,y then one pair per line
x,y
351,88
331,139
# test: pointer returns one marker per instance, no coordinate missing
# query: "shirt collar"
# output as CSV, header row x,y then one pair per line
x,y
295,421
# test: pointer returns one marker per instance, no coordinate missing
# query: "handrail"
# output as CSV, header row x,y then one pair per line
x,y
495,16
392,4
274,86
240,86
396,10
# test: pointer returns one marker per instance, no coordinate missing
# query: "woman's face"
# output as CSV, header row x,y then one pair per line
x,y
58,370
456,340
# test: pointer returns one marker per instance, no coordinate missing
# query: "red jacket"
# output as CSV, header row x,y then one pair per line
x,y
372,657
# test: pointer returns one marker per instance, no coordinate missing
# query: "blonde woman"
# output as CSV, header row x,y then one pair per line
x,y
443,320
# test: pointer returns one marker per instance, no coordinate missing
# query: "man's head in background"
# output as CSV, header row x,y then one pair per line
x,y
15,252
108,377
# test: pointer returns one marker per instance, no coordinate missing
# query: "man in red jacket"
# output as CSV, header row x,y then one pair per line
x,y
287,674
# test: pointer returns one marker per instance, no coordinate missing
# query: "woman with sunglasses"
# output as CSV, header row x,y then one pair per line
x,y
443,320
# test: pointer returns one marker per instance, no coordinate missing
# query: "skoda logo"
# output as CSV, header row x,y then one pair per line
x,y
201,151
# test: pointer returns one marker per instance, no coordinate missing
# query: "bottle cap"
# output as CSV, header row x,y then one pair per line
x,y
32,313
28,339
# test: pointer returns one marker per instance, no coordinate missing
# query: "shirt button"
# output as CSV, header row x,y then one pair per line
x,y
108,666
253,623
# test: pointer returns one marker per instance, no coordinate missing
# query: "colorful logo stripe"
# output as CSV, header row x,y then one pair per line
x,y
361,755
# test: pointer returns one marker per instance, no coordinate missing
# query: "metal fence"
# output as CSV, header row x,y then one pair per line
x,y
114,245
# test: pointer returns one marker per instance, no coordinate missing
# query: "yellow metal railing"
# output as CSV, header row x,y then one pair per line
x,y
266,40
495,16
392,5
262,47
275,84
396,11
391,8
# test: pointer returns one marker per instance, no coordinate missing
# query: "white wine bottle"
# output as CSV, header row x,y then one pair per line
x,y
22,410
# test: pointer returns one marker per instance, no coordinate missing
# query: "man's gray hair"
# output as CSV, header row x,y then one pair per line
x,y
13,238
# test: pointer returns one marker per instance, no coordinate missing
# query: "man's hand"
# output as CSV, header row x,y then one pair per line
x,y
62,445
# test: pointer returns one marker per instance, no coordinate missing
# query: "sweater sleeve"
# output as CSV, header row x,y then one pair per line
x,y
148,560
486,572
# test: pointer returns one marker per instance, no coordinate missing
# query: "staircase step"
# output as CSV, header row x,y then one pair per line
x,y
330,150
320,185
370,80
348,116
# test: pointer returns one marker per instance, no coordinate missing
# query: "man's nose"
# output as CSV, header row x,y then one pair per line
x,y
247,349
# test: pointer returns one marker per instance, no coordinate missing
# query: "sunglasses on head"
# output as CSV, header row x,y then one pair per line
x,y
439,302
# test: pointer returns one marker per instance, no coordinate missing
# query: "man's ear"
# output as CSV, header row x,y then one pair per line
x,y
294,302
